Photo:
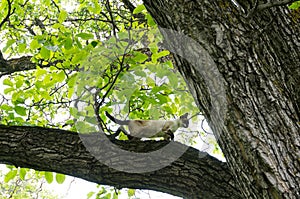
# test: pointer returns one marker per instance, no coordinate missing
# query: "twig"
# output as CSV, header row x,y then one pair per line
x,y
114,26
260,7
274,3
9,13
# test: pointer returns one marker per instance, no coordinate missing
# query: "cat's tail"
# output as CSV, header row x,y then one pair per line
x,y
115,120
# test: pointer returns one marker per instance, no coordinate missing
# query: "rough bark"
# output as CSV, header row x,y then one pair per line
x,y
257,55
24,63
194,175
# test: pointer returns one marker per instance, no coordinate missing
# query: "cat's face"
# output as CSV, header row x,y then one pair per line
x,y
184,120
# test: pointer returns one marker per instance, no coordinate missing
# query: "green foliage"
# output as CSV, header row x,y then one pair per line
x,y
60,178
10,175
295,5
48,177
103,193
139,9
23,183
131,192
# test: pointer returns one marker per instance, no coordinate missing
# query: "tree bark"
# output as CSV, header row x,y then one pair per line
x,y
194,175
24,63
257,55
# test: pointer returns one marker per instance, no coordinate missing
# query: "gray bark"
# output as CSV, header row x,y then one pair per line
x,y
257,55
194,175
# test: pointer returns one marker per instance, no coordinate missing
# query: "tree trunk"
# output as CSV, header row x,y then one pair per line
x,y
257,56
194,175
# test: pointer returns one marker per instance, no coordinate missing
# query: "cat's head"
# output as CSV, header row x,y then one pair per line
x,y
184,120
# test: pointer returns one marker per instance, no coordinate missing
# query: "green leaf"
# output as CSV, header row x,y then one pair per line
x,y
10,175
47,3
85,36
162,98
19,83
156,56
22,173
45,53
94,43
72,80
8,90
90,194
150,20
295,5
45,95
22,47
20,110
173,80
74,112
34,44
68,43
153,47
60,178
131,192
6,107
60,76
115,196
39,72
107,196
80,126
62,16
8,82
140,57
140,73
8,44
78,57
139,9
49,177
78,43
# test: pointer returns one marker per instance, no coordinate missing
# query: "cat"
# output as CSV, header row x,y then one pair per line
x,y
152,128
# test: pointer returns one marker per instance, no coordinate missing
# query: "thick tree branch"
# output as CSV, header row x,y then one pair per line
x,y
63,151
17,64
20,64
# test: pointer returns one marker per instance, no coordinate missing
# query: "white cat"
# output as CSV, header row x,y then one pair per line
x,y
152,128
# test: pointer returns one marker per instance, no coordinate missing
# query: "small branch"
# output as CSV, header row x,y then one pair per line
x,y
9,13
274,3
260,7
114,26
131,8
40,24
129,5
57,7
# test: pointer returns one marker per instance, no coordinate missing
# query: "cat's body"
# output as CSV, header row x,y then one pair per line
x,y
153,128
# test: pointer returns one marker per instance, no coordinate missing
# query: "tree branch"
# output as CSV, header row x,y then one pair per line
x,y
274,3
131,8
63,151
21,64
9,13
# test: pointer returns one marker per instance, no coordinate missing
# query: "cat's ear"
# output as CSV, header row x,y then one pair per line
x,y
184,116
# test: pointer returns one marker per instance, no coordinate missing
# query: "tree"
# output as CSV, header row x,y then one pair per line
x,y
252,47
251,101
